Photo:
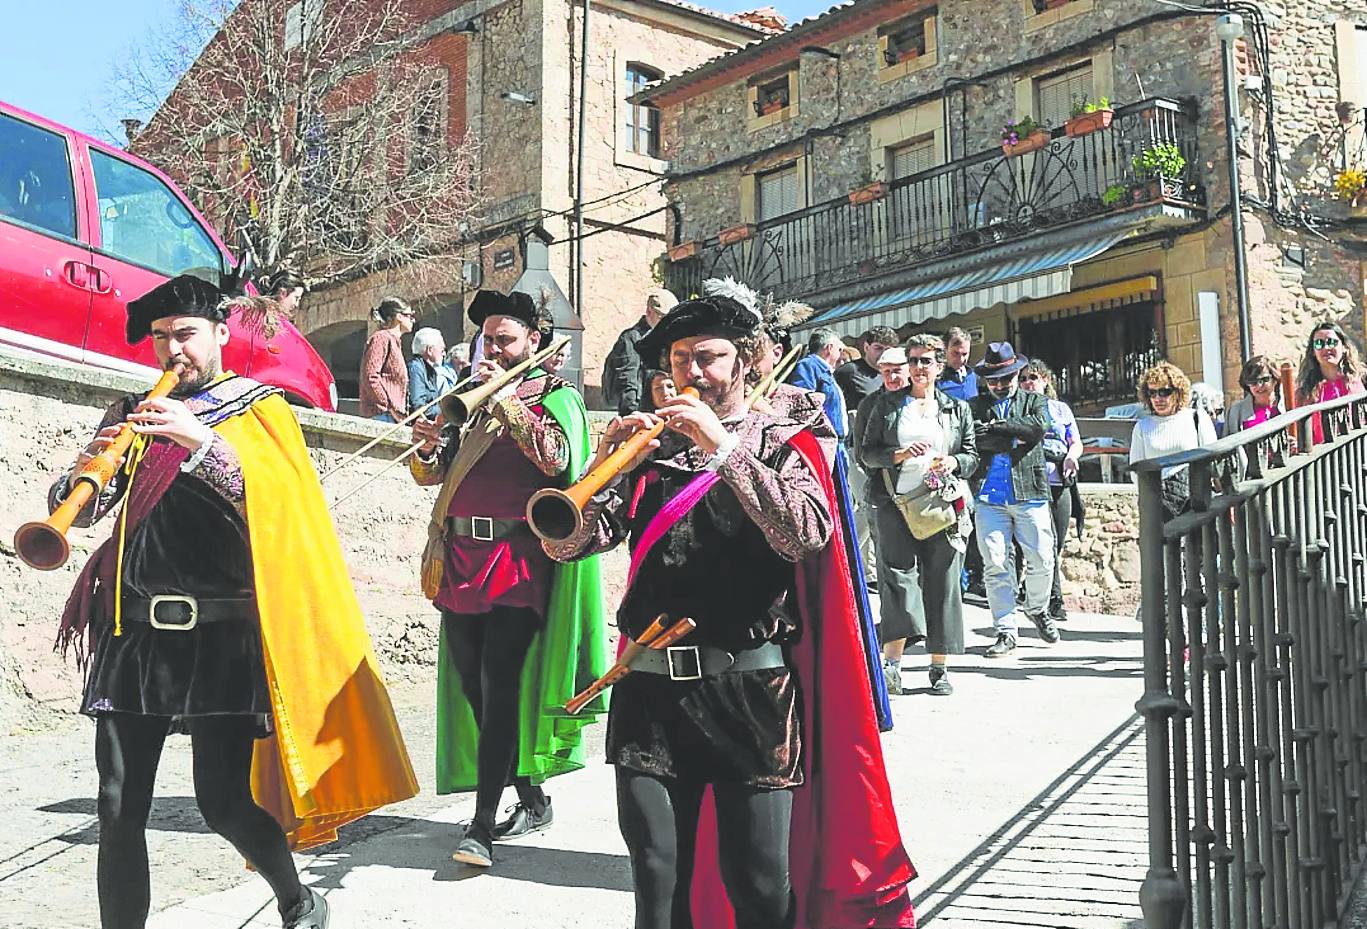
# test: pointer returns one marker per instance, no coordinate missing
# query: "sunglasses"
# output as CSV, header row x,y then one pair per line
x,y
1324,343
921,361
1163,392
1262,381
1000,381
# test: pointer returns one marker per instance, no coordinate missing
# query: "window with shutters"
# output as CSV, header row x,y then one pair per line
x,y
642,126
777,192
911,158
1054,94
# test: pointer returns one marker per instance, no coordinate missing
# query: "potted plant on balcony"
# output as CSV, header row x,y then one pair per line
x,y
1089,116
1158,170
868,193
1023,135
1351,184
1113,195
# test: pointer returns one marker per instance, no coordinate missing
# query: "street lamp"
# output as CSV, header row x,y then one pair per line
x,y
1230,28
513,96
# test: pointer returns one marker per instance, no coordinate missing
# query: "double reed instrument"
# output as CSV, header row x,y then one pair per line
x,y
42,544
457,407
555,514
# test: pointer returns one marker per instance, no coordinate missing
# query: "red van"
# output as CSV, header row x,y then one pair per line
x,y
84,228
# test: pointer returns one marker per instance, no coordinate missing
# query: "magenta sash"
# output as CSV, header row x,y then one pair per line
x,y
669,514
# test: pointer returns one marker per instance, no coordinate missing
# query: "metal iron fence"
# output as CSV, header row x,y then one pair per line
x,y
1255,745
969,203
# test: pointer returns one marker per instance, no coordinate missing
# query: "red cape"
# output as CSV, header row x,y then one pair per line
x,y
849,869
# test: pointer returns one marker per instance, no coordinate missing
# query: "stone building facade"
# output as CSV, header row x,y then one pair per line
x,y
856,161
512,68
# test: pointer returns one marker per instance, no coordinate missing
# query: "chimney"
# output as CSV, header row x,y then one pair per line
x,y
130,128
766,17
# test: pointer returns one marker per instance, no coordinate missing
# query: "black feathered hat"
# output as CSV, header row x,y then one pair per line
x,y
727,309
185,295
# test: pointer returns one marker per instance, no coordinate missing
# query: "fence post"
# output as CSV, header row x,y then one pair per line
x,y
1162,895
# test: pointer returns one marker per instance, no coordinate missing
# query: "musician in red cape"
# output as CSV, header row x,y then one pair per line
x,y
755,743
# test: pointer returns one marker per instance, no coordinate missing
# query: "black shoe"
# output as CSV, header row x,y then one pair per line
x,y
524,821
1045,624
1004,644
939,682
316,917
477,848
976,591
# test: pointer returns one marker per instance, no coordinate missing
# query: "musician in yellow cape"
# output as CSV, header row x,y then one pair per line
x,y
221,606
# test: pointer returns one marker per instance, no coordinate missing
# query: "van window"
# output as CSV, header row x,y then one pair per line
x,y
141,221
35,178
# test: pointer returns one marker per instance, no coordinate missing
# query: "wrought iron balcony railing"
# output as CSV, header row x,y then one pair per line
x,y
1146,154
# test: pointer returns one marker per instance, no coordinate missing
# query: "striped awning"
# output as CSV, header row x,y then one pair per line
x,y
1034,276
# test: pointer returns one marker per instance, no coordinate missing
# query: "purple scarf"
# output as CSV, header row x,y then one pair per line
x,y
94,590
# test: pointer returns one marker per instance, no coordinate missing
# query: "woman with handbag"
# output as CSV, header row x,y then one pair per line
x,y
1170,425
918,446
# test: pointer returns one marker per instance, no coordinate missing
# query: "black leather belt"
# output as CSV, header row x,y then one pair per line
x,y
486,528
180,613
693,662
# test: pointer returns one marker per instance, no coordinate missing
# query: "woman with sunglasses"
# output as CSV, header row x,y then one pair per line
x,y
1329,370
1170,425
1062,449
384,376
1262,397
912,438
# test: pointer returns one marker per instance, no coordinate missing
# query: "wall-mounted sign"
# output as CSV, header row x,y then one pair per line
x,y
504,258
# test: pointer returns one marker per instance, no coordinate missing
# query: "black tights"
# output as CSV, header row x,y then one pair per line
x,y
127,751
488,650
659,821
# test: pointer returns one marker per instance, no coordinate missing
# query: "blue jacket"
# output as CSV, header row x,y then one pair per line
x,y
426,383
812,373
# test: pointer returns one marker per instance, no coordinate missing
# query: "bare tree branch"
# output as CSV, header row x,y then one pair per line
x,y
317,129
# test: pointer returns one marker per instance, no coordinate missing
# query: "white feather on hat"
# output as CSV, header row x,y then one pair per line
x,y
735,290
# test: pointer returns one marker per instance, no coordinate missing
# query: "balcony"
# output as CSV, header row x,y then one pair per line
x,y
960,208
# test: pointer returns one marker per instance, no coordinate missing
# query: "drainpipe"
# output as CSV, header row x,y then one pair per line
x,y
579,168
1230,28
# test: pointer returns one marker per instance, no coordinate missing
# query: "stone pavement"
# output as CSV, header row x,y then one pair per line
x,y
1021,798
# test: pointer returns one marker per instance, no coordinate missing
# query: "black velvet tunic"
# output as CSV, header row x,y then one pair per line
x,y
194,542
716,567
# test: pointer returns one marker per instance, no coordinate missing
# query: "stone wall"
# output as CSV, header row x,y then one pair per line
x,y
1101,570
47,413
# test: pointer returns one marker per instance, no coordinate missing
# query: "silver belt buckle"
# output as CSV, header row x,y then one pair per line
x,y
685,664
482,528
186,626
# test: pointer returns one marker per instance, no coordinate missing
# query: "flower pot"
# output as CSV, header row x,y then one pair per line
x,y
868,193
683,251
770,108
1147,191
1089,122
1035,140
735,234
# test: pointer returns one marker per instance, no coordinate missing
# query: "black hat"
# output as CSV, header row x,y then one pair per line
x,y
185,295
1001,360
714,314
516,305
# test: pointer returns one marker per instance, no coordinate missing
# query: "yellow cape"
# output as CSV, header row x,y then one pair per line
x,y
337,752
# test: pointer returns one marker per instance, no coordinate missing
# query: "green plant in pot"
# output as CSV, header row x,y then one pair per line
x,y
1159,170
1089,115
1114,194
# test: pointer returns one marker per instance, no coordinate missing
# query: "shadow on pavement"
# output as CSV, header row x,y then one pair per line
x,y
169,814
1063,866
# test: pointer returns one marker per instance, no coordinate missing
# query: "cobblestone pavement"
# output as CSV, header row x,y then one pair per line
x,y
1020,797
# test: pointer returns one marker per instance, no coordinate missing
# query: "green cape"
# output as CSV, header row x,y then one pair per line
x,y
565,657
